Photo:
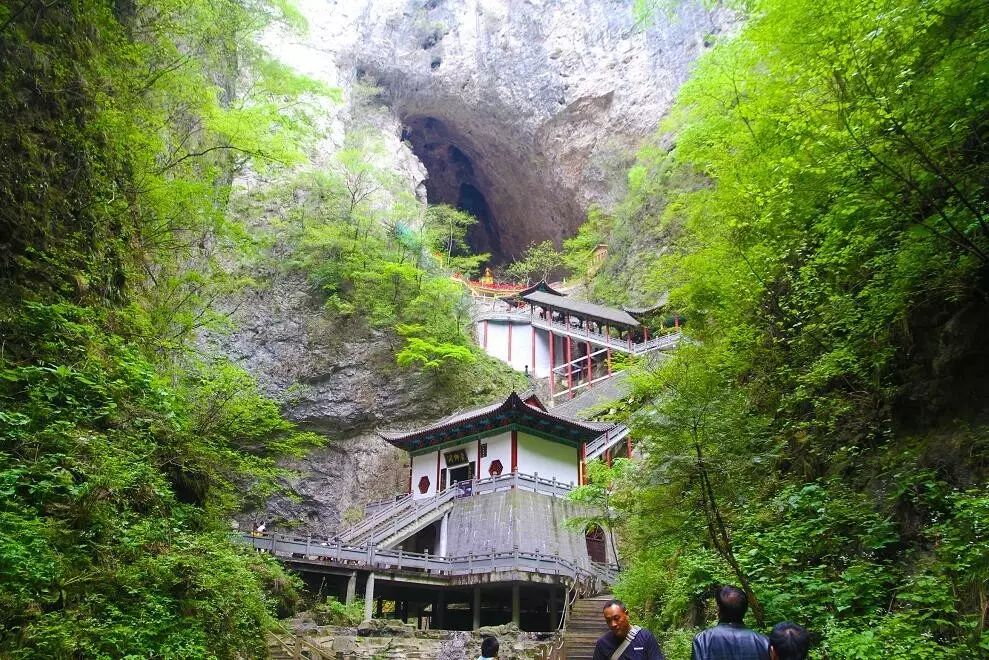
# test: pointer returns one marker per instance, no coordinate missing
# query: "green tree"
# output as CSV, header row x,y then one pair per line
x,y
598,494
823,214
538,263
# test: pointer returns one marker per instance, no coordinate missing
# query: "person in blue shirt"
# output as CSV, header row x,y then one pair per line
x,y
623,641
730,639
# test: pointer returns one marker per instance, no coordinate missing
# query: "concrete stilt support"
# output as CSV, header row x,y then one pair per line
x,y
443,531
369,597
439,611
515,604
476,610
351,588
554,610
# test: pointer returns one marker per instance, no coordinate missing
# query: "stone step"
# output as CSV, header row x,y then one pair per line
x,y
585,624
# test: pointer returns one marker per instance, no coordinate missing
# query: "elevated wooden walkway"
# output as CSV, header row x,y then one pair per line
x,y
367,545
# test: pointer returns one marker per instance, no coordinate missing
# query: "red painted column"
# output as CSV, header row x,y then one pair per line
x,y
515,451
410,475
509,342
478,458
607,456
437,487
628,445
608,357
646,330
582,470
569,368
676,321
552,364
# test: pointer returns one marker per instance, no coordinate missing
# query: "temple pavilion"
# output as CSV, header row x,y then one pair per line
x,y
542,332
480,538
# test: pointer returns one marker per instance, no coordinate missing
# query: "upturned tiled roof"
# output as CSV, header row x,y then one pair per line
x,y
599,312
515,410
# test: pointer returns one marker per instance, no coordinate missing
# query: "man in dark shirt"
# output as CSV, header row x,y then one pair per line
x,y
641,644
788,641
730,639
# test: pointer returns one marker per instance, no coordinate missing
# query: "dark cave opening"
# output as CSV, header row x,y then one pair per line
x,y
455,178
482,237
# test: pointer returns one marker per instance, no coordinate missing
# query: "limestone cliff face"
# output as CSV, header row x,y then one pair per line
x,y
521,111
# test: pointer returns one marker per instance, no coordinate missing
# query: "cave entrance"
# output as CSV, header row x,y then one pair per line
x,y
455,178
483,236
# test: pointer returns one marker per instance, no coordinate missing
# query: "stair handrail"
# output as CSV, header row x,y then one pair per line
x,y
372,521
418,510
606,440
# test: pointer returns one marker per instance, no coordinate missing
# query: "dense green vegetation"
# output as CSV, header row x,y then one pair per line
x,y
123,452
824,439
125,448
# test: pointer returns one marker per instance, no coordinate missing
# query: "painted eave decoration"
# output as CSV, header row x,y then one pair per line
x,y
521,412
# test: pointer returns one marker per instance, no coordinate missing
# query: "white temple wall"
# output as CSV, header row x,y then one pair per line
x,y
535,456
547,459
495,342
500,448
424,465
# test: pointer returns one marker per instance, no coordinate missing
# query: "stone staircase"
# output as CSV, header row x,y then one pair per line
x,y
402,519
585,624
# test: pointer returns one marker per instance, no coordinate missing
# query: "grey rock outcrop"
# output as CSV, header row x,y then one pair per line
x,y
522,111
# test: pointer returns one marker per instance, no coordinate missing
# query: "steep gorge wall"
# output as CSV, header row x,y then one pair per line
x,y
522,111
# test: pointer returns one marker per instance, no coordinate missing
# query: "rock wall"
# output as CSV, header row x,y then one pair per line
x,y
523,111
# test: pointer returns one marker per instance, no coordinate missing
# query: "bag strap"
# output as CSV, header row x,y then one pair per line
x,y
632,632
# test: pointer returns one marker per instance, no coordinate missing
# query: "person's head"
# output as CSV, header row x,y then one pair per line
x,y
489,647
616,616
788,641
732,603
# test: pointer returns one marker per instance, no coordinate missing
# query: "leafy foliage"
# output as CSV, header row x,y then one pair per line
x,y
332,612
122,453
537,264
824,215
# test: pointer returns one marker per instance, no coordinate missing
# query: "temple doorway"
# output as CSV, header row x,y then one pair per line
x,y
594,537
